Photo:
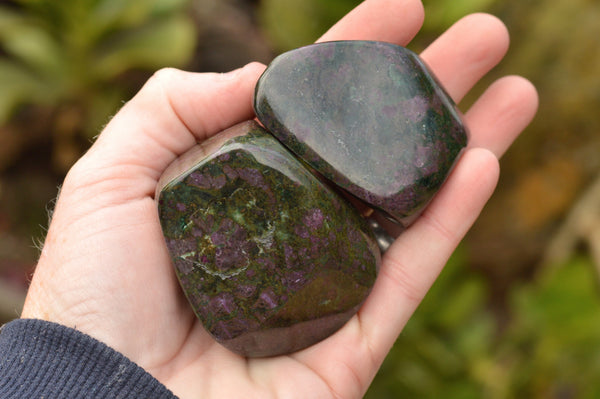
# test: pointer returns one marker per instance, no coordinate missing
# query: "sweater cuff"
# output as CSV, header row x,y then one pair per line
x,y
40,359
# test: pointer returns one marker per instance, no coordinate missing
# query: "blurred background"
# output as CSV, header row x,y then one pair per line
x,y
516,313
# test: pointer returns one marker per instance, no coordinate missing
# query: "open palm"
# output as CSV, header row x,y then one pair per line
x,y
105,268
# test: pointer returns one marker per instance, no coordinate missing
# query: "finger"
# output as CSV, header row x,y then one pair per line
x,y
466,52
414,261
173,111
501,113
394,21
348,360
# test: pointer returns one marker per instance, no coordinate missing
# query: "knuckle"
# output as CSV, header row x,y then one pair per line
x,y
162,79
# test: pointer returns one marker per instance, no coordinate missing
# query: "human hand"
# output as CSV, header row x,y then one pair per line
x,y
105,269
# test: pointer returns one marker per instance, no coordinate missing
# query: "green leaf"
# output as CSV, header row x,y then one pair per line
x,y
293,23
440,14
554,337
168,6
18,85
167,42
9,19
117,14
36,48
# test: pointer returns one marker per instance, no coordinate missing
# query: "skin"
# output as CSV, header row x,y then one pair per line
x,y
104,268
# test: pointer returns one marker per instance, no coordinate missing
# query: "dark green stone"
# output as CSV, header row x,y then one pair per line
x,y
368,116
269,257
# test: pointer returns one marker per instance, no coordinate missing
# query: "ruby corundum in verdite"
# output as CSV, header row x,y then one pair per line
x,y
270,257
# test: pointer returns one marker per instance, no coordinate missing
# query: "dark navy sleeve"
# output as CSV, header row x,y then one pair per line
x,y
39,359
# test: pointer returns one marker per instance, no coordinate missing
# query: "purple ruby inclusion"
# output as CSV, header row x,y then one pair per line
x,y
270,258
368,116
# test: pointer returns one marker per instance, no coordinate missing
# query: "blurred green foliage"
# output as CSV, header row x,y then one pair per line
x,y
56,52
453,347
539,338
294,23
440,14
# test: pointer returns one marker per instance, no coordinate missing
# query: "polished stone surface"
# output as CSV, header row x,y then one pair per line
x,y
368,116
269,257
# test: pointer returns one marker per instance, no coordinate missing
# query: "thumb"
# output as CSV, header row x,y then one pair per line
x,y
173,111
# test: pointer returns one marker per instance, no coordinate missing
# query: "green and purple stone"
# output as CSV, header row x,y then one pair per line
x,y
270,254
368,116
269,257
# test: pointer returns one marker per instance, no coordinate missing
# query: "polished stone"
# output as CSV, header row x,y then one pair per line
x,y
368,116
269,257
